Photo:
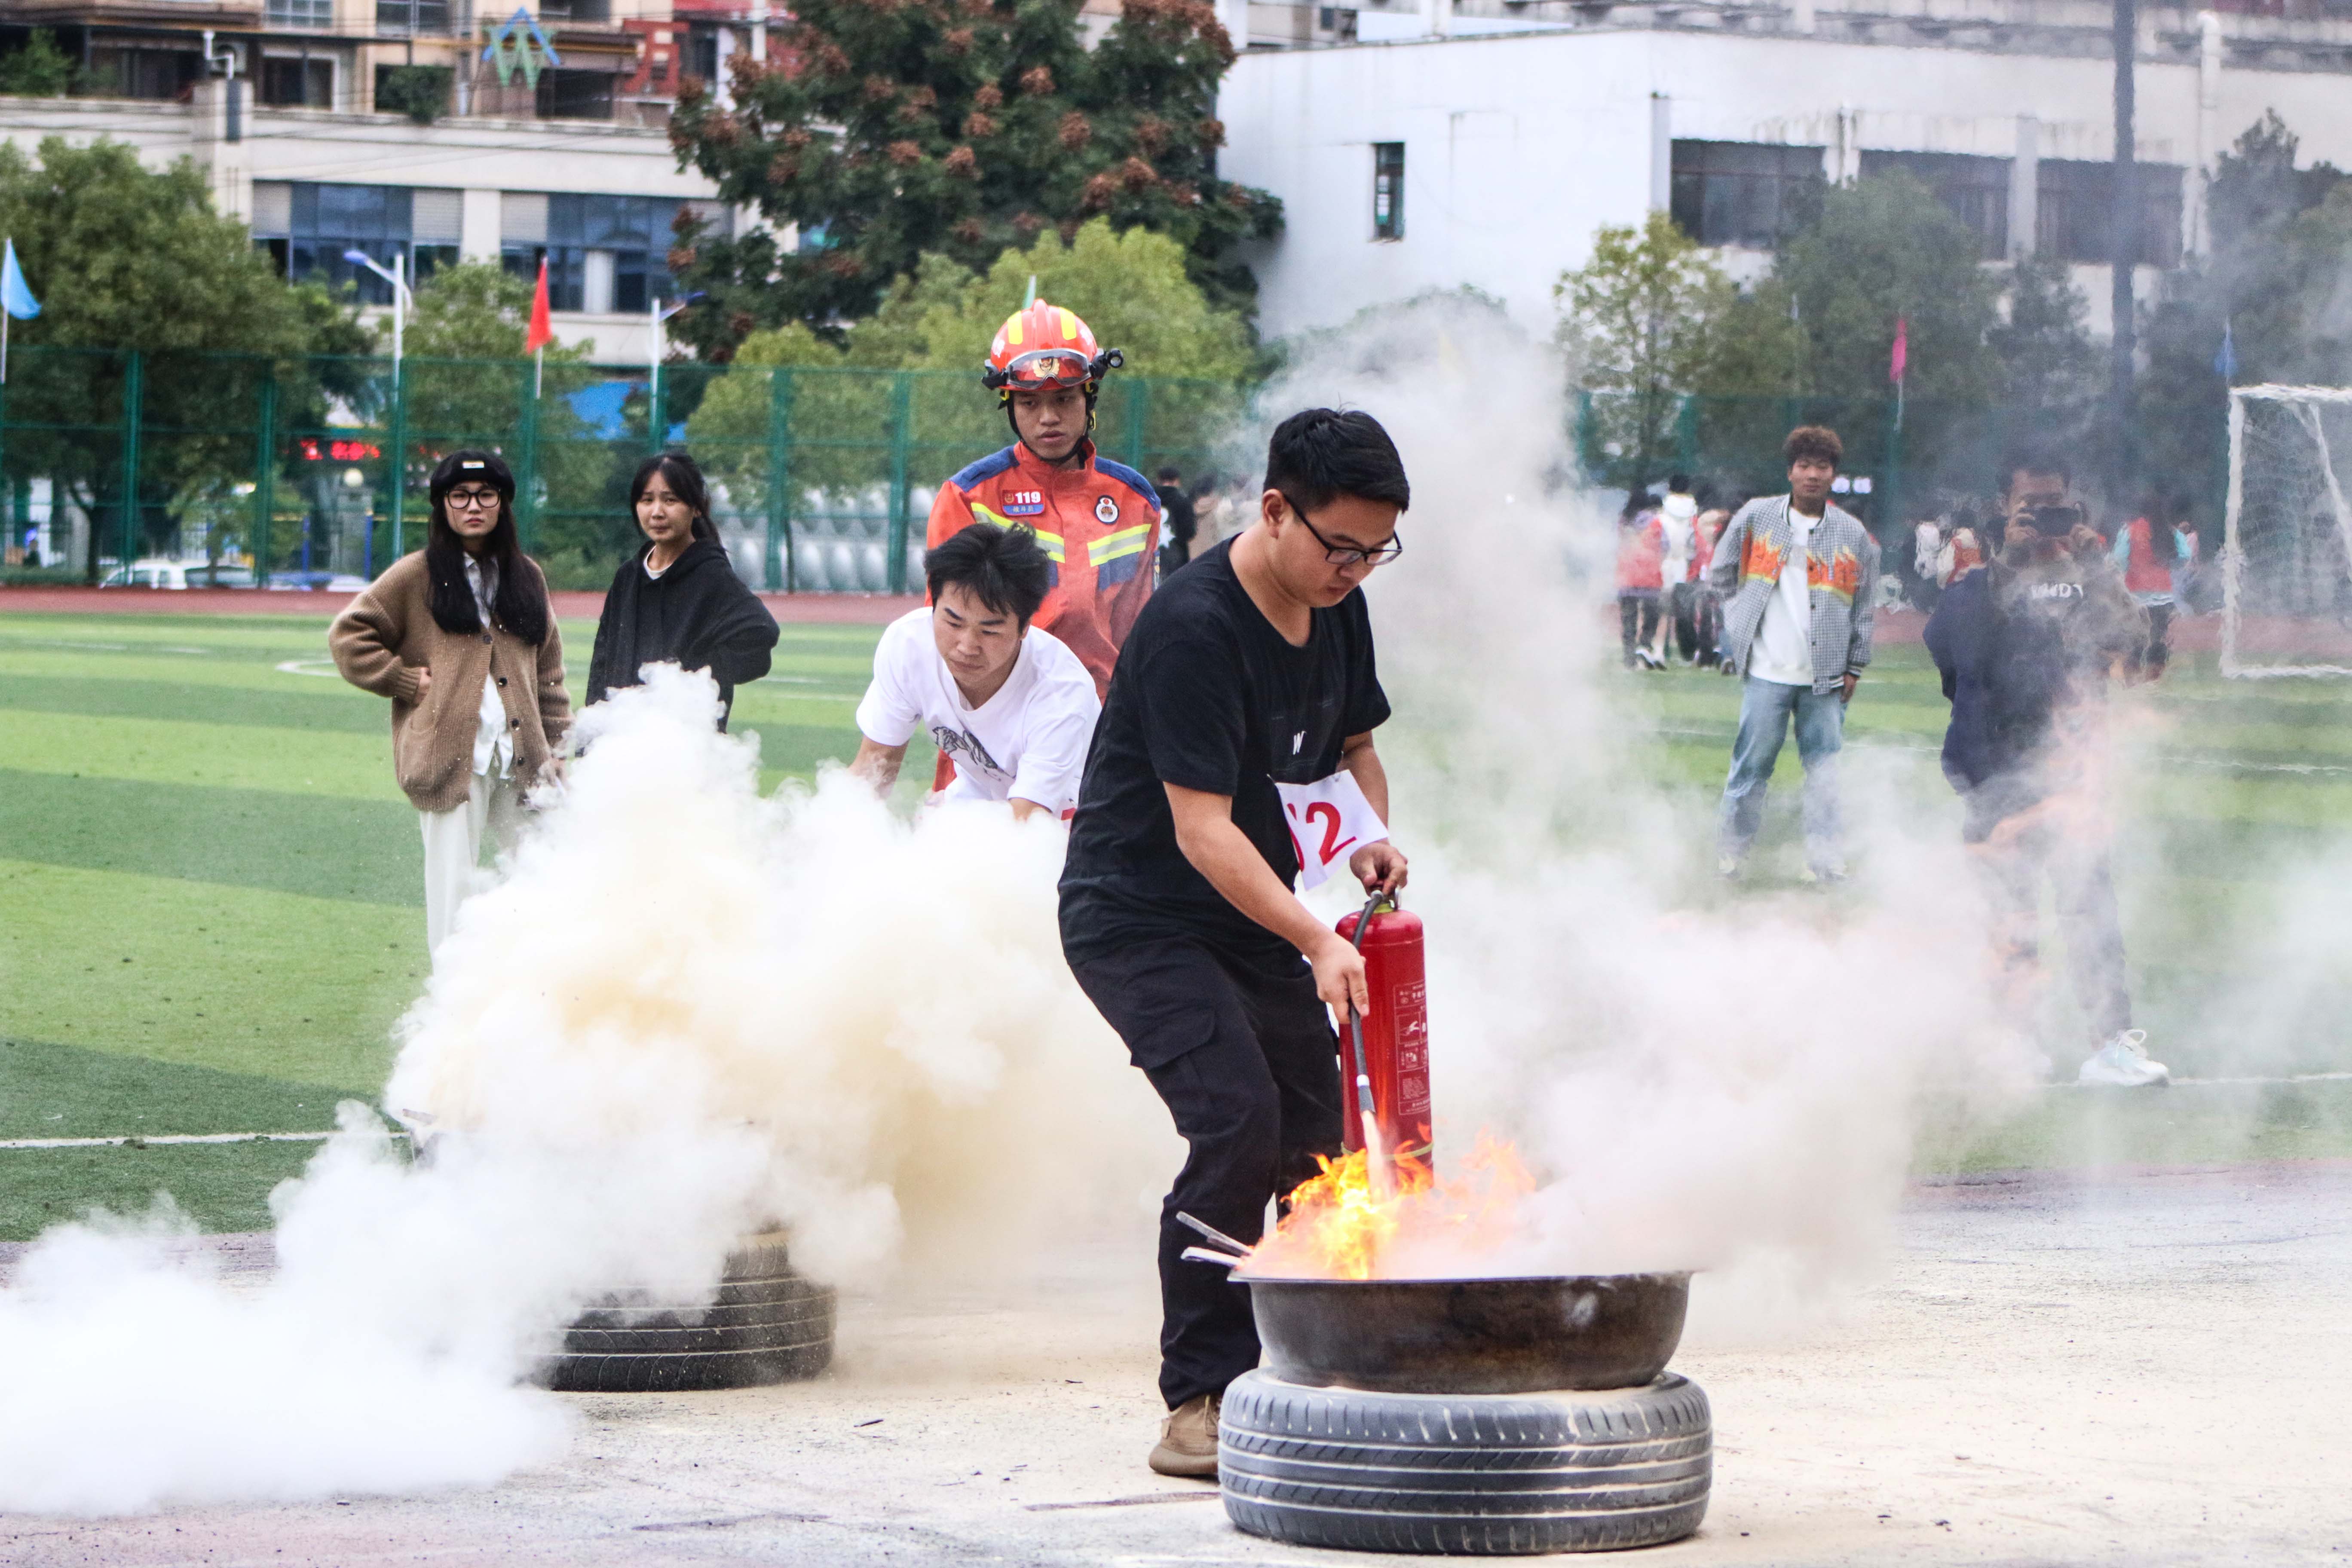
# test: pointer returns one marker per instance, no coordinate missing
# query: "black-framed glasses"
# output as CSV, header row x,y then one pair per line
x,y
473,500
1346,554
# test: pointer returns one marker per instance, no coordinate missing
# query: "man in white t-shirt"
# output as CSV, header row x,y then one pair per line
x,y
1794,571
1010,705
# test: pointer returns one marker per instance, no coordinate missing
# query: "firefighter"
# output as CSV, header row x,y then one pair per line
x,y
1098,521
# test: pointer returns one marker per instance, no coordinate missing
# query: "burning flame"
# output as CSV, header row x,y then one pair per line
x,y
1341,1225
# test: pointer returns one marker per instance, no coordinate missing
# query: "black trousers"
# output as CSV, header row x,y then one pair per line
x,y
1247,1063
1637,622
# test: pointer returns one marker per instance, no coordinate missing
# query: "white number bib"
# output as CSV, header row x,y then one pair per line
x,y
1330,820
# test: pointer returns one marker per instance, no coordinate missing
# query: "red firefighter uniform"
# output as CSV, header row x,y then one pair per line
x,y
1099,522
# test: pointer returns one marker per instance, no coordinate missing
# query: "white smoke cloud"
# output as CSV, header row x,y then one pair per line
x,y
1731,1084
686,1013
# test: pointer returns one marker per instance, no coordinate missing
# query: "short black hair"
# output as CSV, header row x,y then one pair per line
x,y
2033,457
1320,454
1818,442
1678,484
1169,474
1004,568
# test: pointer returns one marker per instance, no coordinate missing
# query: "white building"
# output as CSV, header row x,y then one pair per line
x,y
569,160
1488,155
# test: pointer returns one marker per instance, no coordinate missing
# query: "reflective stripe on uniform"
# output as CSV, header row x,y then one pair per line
x,y
1051,541
1126,541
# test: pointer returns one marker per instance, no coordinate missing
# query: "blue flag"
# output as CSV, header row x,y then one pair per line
x,y
2225,363
15,296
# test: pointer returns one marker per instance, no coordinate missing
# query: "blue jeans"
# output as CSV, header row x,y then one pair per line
x,y
1765,707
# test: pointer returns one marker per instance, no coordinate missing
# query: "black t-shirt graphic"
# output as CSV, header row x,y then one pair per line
x,y
1207,695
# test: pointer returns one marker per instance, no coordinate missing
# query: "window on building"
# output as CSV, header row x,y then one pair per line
x,y
307,229
1975,190
701,54
1744,193
161,74
576,10
604,254
1387,190
2076,208
406,19
297,84
576,95
300,15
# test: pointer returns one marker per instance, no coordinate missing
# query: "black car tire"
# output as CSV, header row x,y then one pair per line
x,y
1468,1475
764,1324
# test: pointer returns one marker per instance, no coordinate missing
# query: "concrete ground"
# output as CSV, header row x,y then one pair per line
x,y
2149,1368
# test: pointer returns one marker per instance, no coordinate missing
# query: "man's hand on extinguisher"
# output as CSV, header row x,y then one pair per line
x,y
1382,868
1339,975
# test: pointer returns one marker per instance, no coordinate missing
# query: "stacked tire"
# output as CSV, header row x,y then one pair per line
x,y
1465,1474
767,1324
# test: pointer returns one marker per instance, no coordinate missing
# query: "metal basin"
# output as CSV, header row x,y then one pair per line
x,y
1471,1336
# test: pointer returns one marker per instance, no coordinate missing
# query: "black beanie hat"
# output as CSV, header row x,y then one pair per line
x,y
487,468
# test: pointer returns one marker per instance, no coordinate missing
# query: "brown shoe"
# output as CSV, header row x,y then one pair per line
x,y
1188,1439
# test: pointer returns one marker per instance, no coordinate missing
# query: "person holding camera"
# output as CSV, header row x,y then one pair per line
x,y
2026,646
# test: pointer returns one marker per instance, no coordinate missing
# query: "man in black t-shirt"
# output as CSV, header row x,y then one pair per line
x,y
1242,703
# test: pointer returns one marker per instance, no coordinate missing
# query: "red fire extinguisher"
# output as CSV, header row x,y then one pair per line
x,y
1388,1049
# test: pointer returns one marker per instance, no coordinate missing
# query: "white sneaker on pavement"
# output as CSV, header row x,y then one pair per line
x,y
2122,1063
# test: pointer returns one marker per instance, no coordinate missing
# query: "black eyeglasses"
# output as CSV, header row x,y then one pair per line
x,y
1346,554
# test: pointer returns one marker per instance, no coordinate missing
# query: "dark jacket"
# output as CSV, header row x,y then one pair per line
x,y
698,615
1182,524
2017,647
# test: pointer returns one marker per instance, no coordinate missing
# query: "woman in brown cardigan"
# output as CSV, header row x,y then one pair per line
x,y
461,637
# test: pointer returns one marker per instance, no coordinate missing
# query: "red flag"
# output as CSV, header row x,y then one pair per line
x,y
542,326
1894,368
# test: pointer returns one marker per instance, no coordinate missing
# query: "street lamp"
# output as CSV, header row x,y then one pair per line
x,y
655,317
397,276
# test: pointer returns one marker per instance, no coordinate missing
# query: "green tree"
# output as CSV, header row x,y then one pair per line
x,y
125,258
470,384
39,70
1640,322
882,133
2049,363
2282,239
1885,250
1133,289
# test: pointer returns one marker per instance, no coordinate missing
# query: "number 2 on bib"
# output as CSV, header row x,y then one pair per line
x,y
1328,820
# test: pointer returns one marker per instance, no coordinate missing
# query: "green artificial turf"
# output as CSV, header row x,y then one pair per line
x,y
221,1187
210,900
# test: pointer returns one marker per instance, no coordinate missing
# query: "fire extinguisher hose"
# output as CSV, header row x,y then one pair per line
x,y
1375,1157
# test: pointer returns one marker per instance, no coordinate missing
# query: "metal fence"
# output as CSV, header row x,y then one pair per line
x,y
1896,470
300,471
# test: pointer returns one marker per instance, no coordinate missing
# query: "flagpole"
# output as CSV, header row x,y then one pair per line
x,y
538,382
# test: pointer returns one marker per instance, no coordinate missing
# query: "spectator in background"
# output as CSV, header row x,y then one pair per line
x,y
1641,575
678,600
1796,573
1181,521
1676,513
467,615
2025,648
1927,545
1702,639
1962,552
2149,551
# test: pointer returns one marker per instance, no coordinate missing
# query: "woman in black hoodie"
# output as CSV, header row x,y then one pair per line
x,y
677,601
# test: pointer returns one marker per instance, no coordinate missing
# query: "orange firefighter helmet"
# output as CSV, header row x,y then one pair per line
x,y
1043,347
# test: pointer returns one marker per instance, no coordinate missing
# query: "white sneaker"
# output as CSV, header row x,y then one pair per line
x,y
2122,1063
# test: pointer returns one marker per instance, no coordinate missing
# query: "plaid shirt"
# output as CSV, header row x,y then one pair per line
x,y
1841,569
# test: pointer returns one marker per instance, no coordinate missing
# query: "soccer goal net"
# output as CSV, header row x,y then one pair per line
x,y
2286,561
